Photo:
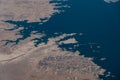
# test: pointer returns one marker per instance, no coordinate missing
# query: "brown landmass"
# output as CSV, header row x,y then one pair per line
x,y
24,61
48,62
19,10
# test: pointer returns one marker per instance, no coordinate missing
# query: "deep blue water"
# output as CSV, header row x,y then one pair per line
x,y
99,21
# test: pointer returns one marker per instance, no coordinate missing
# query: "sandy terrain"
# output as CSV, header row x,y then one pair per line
x,y
24,61
30,10
48,62
20,10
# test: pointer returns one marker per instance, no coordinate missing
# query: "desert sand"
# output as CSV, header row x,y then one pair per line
x,y
24,61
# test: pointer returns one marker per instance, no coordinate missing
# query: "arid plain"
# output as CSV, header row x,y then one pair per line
x,y
24,61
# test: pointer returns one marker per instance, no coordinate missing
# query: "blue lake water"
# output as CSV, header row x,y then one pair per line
x,y
97,20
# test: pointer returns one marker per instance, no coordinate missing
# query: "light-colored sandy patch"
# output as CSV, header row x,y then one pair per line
x,y
19,10
48,62
69,41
